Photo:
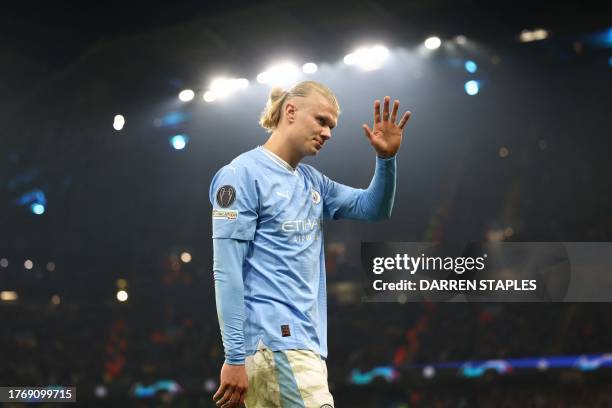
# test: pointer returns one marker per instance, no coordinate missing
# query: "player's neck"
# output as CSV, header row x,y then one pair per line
x,y
282,149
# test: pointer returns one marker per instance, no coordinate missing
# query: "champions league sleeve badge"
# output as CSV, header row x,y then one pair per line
x,y
226,196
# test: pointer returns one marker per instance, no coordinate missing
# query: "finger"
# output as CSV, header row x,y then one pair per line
x,y
405,119
376,111
394,112
230,404
233,402
219,392
386,108
367,131
226,397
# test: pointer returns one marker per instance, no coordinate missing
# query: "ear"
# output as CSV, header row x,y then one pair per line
x,y
290,110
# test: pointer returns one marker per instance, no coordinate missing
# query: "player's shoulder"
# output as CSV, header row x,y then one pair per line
x,y
236,176
242,165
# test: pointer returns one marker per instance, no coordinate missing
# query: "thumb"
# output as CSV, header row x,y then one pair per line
x,y
367,131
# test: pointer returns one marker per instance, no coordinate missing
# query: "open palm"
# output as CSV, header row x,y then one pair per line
x,y
386,135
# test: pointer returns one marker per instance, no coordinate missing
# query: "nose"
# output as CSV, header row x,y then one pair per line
x,y
326,133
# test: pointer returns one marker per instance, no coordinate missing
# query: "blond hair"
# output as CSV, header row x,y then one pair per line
x,y
271,116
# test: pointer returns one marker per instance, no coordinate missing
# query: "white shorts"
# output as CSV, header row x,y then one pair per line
x,y
287,379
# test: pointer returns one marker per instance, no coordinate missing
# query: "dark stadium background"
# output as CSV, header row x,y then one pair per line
x,y
527,159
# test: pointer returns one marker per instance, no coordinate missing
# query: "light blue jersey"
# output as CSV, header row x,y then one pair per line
x,y
269,256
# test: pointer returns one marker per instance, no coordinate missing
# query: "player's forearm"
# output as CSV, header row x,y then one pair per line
x,y
228,258
376,202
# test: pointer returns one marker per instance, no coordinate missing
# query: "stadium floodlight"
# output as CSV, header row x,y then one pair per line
x,y
461,39
429,372
186,257
222,87
28,264
118,122
283,73
368,58
471,87
4,262
433,43
533,35
100,391
309,68
8,296
470,66
209,96
186,95
179,142
37,208
122,295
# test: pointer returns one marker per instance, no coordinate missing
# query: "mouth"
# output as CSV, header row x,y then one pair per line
x,y
318,144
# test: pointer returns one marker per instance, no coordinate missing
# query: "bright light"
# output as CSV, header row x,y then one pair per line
x,y
28,264
461,39
179,141
37,208
122,295
56,300
368,58
186,95
470,66
471,87
535,35
4,262
309,68
100,391
241,83
119,122
221,87
50,266
540,34
429,372
186,257
542,365
210,385
262,77
279,74
433,43
8,295
209,96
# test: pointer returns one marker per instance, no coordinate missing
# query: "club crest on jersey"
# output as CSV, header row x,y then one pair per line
x,y
316,197
226,196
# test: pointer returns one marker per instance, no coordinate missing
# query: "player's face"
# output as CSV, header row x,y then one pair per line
x,y
315,118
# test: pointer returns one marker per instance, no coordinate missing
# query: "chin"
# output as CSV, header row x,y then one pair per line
x,y
311,151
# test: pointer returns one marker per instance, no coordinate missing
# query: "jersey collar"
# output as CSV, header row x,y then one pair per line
x,y
277,159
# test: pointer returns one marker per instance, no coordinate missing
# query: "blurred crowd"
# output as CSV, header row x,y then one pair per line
x,y
105,349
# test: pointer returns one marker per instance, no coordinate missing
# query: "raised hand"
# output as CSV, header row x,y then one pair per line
x,y
386,136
